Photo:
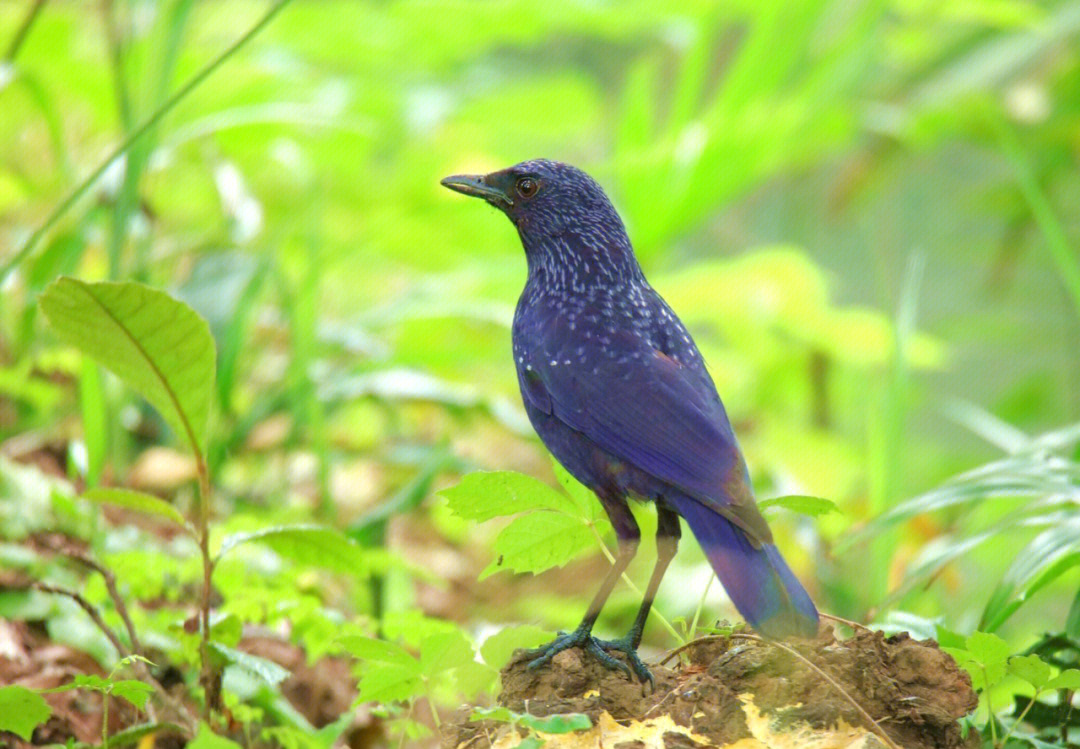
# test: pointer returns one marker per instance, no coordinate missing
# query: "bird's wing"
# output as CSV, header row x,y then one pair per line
x,y
650,411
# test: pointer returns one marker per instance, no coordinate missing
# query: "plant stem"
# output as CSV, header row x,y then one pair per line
x,y
208,676
1019,718
700,606
990,708
1057,243
23,31
157,116
105,719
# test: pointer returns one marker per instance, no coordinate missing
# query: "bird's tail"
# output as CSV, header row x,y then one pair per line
x,y
758,580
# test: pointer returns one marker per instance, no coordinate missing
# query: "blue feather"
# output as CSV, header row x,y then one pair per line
x,y
758,581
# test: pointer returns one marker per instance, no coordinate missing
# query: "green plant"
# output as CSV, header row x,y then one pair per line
x,y
533,726
993,668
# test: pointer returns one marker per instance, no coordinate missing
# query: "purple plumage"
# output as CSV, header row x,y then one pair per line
x,y
615,387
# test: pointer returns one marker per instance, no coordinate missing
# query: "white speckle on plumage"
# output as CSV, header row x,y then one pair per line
x,y
554,362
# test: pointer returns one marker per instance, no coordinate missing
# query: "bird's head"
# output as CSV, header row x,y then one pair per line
x,y
564,218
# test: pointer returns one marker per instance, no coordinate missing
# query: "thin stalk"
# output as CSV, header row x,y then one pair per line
x,y
990,709
700,606
208,675
105,720
23,31
1019,718
1064,257
159,114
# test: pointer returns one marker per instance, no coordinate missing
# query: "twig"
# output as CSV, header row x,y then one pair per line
x,y
875,726
687,646
144,673
846,622
114,594
90,609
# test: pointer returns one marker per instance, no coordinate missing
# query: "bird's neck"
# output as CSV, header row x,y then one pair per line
x,y
581,258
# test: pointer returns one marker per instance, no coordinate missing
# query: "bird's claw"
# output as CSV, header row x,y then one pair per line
x,y
598,649
625,645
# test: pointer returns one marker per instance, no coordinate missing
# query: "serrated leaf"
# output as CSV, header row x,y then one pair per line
x,y
138,501
375,650
588,505
207,739
132,690
314,545
804,505
385,682
559,723
484,495
987,648
538,541
22,710
443,651
157,345
1067,679
1030,668
497,649
261,668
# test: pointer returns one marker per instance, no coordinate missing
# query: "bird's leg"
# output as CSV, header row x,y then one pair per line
x,y
628,535
668,532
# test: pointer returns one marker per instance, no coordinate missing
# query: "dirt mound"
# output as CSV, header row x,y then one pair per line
x,y
730,690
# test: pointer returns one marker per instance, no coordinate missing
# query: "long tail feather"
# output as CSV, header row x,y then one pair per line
x,y
758,580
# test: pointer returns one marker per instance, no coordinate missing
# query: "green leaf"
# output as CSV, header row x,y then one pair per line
x,y
804,505
587,503
132,690
95,420
497,649
987,648
261,668
539,541
207,739
22,710
138,501
484,495
314,545
1067,679
155,344
564,723
385,682
378,651
1030,668
443,651
499,714
530,742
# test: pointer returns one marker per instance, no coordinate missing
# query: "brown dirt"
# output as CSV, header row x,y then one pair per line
x,y
911,688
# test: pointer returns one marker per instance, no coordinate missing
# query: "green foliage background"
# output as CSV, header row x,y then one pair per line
x,y
863,211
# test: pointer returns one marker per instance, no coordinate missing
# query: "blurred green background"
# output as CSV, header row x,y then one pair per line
x,y
864,211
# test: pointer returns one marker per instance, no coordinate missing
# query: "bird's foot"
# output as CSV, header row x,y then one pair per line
x,y
628,647
582,638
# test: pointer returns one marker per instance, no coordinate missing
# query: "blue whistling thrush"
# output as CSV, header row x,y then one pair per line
x,y
618,392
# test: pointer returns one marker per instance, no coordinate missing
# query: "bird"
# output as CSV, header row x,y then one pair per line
x,y
618,392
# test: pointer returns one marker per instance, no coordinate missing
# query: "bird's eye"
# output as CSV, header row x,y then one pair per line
x,y
527,187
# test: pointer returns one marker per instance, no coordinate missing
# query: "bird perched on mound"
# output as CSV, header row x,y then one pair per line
x,y
618,392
